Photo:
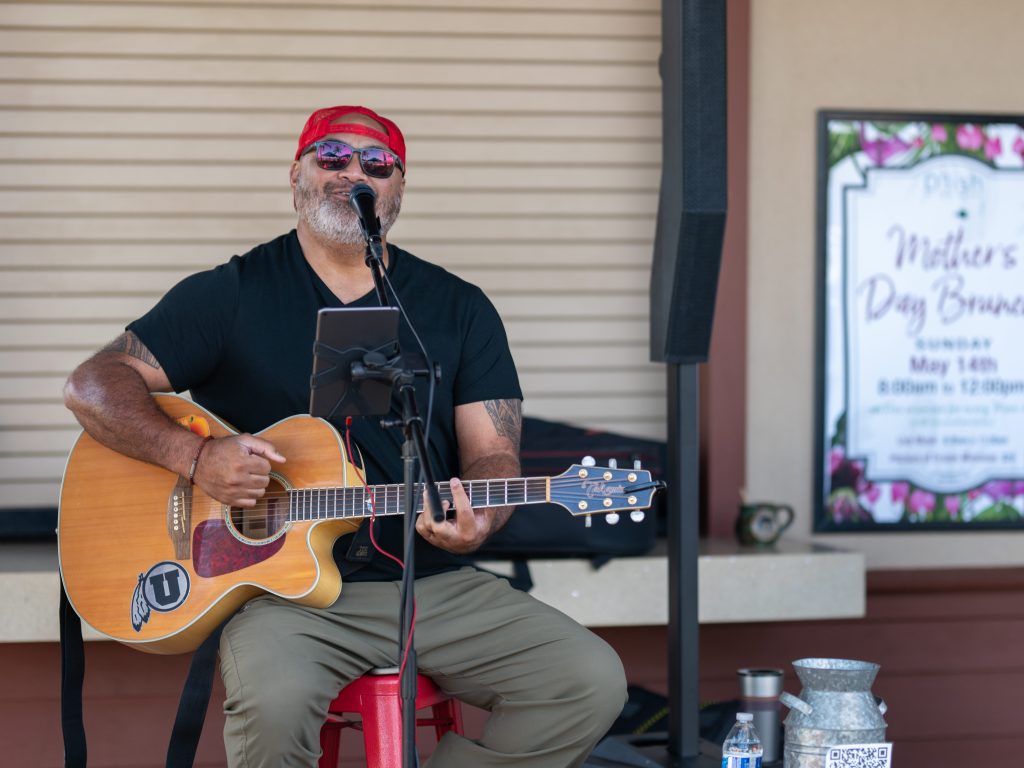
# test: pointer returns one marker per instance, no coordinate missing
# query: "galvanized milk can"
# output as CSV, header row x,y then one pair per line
x,y
835,707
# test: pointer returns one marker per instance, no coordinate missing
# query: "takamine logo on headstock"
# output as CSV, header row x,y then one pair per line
x,y
585,489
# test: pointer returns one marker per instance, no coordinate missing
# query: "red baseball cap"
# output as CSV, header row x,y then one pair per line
x,y
329,120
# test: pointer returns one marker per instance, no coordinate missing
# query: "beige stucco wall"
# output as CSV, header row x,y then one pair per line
x,y
940,55
806,55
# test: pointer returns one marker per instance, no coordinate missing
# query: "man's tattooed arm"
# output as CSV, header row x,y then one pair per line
x,y
131,345
110,396
507,417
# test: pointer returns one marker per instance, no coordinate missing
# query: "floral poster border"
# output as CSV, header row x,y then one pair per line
x,y
844,496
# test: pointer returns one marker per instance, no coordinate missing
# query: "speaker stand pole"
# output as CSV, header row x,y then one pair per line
x,y
681,746
683,550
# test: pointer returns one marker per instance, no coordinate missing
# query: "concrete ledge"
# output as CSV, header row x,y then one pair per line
x,y
789,582
792,581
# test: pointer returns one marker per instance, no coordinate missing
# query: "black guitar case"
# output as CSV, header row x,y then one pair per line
x,y
549,530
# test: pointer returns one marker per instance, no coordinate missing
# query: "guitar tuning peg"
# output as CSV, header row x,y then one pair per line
x,y
637,515
637,464
612,518
588,461
588,522
613,464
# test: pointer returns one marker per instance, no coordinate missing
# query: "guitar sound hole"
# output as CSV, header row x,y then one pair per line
x,y
267,519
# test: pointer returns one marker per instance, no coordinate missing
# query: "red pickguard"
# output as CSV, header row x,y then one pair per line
x,y
215,551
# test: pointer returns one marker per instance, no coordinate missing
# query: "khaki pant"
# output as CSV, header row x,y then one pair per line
x,y
552,687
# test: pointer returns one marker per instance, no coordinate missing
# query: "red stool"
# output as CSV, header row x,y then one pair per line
x,y
377,696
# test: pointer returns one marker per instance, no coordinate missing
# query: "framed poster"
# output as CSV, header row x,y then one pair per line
x,y
920,346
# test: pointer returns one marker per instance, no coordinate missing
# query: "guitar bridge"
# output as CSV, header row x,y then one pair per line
x,y
179,518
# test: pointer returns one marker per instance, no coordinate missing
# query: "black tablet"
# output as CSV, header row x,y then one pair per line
x,y
345,336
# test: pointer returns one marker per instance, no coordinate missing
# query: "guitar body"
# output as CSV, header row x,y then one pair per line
x,y
157,564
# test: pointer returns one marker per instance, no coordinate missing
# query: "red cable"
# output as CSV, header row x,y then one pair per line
x,y
370,493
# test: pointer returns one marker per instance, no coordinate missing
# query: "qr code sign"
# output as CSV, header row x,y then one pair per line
x,y
860,756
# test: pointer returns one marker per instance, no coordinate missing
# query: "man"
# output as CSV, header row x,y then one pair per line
x,y
239,337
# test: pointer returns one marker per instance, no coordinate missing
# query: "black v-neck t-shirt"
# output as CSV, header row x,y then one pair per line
x,y
239,338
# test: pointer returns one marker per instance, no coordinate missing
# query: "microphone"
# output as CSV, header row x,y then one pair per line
x,y
362,197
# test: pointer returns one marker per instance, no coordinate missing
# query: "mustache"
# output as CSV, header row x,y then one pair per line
x,y
334,188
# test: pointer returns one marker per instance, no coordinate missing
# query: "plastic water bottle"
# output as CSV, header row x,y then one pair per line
x,y
742,747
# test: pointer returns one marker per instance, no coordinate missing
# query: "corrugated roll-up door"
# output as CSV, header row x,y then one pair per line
x,y
140,141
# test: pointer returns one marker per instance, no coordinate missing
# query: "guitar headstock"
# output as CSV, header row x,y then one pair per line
x,y
585,489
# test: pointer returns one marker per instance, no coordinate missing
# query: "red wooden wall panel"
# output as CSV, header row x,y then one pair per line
x,y
949,650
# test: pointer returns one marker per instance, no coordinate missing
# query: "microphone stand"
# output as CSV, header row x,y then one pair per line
x,y
413,448
375,261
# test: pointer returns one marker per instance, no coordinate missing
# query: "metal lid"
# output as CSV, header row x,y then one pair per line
x,y
760,683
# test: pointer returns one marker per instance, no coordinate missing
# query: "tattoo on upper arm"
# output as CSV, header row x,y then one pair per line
x,y
507,417
131,345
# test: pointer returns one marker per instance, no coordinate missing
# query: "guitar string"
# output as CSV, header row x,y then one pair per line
x,y
395,495
389,491
385,489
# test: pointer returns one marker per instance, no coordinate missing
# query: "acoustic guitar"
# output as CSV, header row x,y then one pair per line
x,y
155,563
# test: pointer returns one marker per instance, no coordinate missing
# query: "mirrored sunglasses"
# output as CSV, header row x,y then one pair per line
x,y
333,155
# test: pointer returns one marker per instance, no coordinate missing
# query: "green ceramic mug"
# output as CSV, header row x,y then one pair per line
x,y
762,522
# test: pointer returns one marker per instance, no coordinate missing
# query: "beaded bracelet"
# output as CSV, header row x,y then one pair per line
x,y
195,460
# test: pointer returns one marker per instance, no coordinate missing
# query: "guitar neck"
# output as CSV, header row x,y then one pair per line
x,y
331,503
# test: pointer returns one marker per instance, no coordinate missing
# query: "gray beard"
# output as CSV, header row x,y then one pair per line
x,y
332,218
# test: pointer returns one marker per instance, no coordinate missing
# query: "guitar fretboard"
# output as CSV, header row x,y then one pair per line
x,y
329,503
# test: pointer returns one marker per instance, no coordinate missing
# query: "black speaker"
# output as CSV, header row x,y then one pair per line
x,y
692,200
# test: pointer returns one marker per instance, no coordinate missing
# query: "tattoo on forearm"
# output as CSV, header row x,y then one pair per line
x,y
507,417
129,344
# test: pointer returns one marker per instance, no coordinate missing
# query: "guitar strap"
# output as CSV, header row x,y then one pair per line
x,y
192,706
72,675
195,698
